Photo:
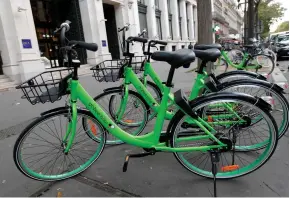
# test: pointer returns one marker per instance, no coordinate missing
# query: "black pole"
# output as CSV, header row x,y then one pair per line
x,y
251,19
245,23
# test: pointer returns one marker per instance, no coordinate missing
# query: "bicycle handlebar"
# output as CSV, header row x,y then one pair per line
x,y
88,46
137,39
142,33
152,43
126,28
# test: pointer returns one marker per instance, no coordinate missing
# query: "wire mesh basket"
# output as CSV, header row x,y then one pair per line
x,y
48,86
112,70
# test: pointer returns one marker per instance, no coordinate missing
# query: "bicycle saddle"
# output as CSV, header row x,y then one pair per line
x,y
208,55
207,46
176,59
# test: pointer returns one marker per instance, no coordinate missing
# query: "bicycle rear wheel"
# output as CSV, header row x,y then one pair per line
x,y
266,91
134,118
39,150
239,134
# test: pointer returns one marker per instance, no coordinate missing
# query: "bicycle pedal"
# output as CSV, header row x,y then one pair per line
x,y
125,166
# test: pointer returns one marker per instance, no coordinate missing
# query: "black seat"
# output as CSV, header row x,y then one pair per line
x,y
176,59
208,55
207,46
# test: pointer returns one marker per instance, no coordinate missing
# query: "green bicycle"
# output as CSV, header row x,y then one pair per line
x,y
259,63
120,102
64,149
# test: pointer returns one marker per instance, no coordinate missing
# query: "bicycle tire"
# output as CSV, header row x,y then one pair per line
x,y
226,96
38,175
275,90
269,57
236,74
118,91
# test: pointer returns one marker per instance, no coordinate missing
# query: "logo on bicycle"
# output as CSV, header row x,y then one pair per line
x,y
101,117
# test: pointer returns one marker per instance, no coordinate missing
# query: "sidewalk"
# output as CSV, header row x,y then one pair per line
x,y
158,175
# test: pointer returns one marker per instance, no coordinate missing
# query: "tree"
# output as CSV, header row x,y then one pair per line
x,y
284,26
269,12
205,33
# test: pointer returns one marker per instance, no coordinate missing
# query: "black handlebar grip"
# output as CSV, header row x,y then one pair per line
x,y
88,46
160,42
137,39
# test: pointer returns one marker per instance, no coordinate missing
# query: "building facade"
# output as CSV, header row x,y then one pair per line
x,y
28,47
227,16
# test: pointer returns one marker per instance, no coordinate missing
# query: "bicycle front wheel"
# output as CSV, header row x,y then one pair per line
x,y
265,63
226,127
39,150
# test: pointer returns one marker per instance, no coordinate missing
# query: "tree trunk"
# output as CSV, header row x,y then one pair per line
x,y
251,26
205,33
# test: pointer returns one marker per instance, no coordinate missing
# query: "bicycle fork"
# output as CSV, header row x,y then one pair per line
x,y
71,128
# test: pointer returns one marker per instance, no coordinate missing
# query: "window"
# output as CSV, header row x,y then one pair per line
x,y
157,4
159,29
226,11
180,28
168,6
170,19
142,9
180,18
170,26
183,46
162,48
158,23
173,47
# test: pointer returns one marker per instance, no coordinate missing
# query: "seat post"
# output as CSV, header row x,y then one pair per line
x,y
170,77
201,67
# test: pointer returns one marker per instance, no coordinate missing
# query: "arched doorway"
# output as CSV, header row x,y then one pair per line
x,y
48,15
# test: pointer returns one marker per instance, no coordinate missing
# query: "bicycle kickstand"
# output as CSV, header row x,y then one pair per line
x,y
214,160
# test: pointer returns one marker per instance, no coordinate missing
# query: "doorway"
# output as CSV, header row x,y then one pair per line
x,y
111,28
48,15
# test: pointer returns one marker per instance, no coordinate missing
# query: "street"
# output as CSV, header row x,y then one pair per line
x,y
158,175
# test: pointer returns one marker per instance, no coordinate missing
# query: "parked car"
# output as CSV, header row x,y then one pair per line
x,y
282,47
275,41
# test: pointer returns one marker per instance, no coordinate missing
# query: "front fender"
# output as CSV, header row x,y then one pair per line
x,y
112,88
53,110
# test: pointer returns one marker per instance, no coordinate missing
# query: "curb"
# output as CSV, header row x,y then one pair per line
x,y
8,89
278,78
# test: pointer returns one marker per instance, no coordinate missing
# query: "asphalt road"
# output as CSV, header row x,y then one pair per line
x,y
158,175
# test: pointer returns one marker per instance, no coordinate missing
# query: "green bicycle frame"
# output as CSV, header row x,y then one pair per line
x,y
197,86
150,140
242,65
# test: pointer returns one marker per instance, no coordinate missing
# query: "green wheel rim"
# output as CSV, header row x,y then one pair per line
x,y
67,174
264,156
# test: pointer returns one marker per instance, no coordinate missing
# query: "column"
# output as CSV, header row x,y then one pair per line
x,y
182,6
175,19
164,20
191,21
121,12
18,41
133,20
151,19
94,26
